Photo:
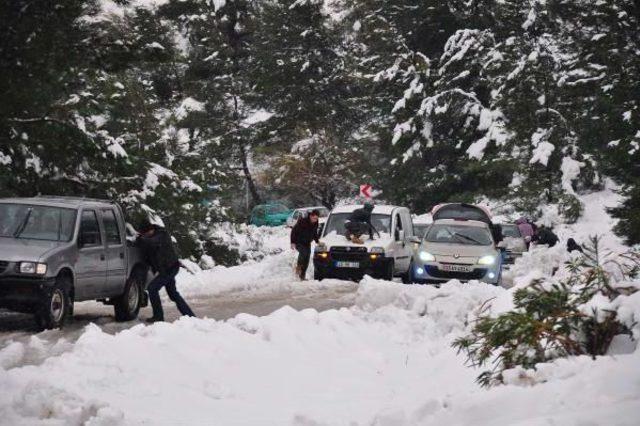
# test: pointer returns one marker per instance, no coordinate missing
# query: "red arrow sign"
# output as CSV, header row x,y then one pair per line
x,y
365,191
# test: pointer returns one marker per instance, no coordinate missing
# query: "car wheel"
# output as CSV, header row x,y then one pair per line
x,y
408,277
318,276
127,305
55,305
388,273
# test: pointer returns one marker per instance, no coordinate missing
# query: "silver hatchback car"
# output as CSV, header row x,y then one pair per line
x,y
457,249
55,251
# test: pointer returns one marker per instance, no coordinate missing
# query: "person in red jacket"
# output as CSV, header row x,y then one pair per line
x,y
303,232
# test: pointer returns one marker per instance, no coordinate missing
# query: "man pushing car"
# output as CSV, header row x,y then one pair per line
x,y
302,233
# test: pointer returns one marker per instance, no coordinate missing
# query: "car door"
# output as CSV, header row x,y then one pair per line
x,y
91,267
401,254
115,251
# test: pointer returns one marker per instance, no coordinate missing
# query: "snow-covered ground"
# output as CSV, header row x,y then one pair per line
x,y
386,360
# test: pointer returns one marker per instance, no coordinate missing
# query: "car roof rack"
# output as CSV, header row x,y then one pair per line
x,y
73,198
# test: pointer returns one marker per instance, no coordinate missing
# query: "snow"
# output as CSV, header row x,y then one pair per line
x,y
188,105
570,169
387,360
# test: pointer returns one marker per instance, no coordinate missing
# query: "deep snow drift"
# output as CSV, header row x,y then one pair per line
x,y
386,361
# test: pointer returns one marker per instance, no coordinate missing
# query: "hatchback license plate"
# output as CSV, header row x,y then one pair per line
x,y
456,268
347,264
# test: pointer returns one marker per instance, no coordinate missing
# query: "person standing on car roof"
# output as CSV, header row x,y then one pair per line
x,y
157,248
303,232
359,223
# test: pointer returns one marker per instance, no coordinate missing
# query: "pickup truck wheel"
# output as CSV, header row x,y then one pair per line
x,y
127,305
54,306
318,276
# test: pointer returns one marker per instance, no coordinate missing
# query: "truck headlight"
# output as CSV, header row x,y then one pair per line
x,y
33,268
378,250
427,257
321,246
487,260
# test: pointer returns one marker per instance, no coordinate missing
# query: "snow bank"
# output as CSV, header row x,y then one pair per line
x,y
387,361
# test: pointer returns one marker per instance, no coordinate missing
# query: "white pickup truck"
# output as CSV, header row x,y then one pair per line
x,y
386,256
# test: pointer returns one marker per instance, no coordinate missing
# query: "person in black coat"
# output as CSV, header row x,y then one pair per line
x,y
546,236
359,223
302,233
157,248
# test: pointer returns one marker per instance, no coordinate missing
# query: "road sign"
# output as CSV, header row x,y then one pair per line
x,y
365,191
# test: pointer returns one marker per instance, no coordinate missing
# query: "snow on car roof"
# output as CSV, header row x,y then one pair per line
x,y
461,222
55,201
382,209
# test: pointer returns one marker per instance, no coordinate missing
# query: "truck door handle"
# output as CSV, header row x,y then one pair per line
x,y
102,257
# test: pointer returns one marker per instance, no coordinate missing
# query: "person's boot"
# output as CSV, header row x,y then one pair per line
x,y
298,271
153,319
356,240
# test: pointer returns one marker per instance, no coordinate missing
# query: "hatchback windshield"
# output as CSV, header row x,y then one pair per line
x,y
458,234
335,223
37,222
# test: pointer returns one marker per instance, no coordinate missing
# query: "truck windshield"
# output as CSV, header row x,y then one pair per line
x,y
37,222
335,223
458,234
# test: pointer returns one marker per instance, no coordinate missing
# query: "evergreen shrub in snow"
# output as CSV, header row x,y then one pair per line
x,y
575,316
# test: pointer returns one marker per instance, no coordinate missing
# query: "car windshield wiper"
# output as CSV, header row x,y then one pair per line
x,y
23,225
467,238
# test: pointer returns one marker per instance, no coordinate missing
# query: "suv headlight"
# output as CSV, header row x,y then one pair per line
x,y
378,250
321,246
487,260
427,257
33,268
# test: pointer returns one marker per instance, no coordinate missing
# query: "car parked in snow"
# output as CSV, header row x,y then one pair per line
x,y
304,211
55,251
457,249
386,256
513,242
273,214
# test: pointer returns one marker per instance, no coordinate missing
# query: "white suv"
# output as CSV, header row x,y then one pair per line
x,y
385,256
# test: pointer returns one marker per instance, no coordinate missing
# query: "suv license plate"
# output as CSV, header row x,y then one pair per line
x,y
347,264
456,268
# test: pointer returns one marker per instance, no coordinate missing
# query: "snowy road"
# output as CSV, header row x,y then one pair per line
x,y
19,327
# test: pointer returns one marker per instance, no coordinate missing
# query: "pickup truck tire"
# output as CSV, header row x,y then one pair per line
x,y
127,306
55,305
318,276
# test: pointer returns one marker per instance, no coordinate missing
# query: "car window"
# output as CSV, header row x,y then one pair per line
x,y
89,229
420,229
458,234
112,232
511,231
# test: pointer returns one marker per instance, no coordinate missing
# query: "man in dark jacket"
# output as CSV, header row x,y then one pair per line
x,y
359,223
157,248
303,232
546,236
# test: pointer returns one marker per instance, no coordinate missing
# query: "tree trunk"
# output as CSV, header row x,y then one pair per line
x,y
253,190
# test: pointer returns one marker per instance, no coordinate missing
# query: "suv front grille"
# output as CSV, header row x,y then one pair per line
x,y
3,266
348,253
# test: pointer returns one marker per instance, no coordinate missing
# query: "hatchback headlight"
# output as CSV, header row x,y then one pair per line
x,y
487,260
427,257
33,268
378,250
